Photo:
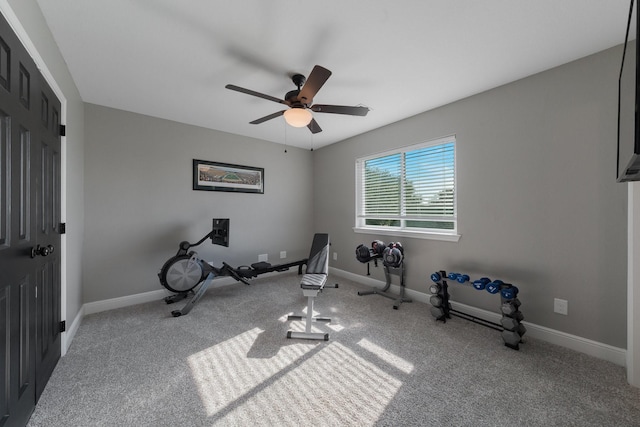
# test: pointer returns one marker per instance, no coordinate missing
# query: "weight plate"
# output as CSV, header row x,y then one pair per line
x,y
437,312
435,300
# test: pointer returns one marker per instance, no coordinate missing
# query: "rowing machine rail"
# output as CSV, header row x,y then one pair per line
x,y
184,271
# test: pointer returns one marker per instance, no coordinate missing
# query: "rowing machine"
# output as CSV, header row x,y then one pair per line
x,y
184,271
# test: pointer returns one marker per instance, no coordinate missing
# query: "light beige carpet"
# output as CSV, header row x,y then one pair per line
x,y
229,363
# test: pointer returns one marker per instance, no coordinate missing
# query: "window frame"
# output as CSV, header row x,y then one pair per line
x,y
450,235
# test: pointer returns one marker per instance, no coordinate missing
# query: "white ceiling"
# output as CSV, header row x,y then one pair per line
x,y
171,59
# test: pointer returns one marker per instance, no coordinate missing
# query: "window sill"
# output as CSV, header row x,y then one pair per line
x,y
445,237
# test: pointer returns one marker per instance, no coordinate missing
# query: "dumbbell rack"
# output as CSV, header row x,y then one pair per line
x,y
397,299
510,326
393,262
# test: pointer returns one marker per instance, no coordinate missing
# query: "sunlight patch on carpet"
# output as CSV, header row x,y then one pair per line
x,y
386,356
302,381
223,372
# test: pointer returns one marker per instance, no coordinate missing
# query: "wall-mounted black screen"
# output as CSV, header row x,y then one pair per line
x,y
628,96
220,232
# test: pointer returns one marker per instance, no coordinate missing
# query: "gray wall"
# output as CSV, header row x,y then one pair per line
x,y
140,204
38,32
538,204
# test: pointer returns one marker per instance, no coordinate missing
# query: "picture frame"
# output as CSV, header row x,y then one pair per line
x,y
216,176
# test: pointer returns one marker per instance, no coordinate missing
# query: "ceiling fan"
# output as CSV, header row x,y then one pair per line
x,y
299,101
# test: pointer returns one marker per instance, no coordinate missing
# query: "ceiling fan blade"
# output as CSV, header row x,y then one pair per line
x,y
316,79
269,117
258,94
340,109
314,127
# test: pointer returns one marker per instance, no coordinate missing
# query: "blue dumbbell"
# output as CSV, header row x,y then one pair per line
x,y
436,277
453,276
509,292
494,287
481,283
462,278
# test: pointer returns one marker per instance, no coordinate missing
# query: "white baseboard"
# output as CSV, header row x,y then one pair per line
x,y
583,345
126,301
70,333
113,303
593,348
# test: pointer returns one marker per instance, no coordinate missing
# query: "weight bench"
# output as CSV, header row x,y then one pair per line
x,y
313,281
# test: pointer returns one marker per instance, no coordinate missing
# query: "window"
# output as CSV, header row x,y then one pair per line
x,y
409,191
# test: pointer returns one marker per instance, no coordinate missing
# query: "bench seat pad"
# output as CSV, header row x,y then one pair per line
x,y
313,281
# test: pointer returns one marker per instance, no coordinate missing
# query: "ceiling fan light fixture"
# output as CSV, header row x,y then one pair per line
x,y
298,117
300,101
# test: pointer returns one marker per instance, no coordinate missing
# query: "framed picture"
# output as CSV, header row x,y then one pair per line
x,y
215,176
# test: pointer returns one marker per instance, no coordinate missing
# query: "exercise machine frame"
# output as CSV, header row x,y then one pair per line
x,y
184,271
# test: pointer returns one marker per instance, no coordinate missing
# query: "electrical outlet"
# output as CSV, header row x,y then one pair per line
x,y
561,306
335,256
263,257
283,254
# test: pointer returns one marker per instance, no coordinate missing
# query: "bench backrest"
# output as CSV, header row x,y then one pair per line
x,y
318,262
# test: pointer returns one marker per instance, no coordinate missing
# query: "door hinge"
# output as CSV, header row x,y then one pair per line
x,y
63,130
63,228
63,326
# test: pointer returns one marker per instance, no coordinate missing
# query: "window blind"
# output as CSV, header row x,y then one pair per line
x,y
411,188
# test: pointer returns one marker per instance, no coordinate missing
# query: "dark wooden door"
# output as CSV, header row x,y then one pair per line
x,y
47,261
29,205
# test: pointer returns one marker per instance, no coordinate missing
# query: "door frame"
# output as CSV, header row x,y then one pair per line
x,y
24,38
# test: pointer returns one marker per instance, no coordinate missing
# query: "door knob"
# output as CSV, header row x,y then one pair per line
x,y
42,250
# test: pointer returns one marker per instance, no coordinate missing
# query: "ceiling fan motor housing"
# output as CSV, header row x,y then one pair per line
x,y
292,97
298,80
